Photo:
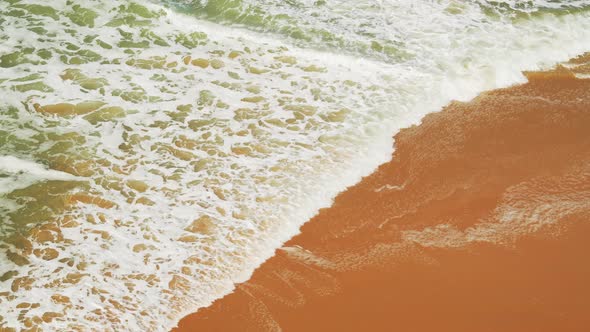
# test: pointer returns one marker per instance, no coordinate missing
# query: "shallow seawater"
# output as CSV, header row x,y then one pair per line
x,y
479,222
154,153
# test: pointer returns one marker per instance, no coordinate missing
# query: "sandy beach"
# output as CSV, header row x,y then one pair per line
x,y
479,223
269,165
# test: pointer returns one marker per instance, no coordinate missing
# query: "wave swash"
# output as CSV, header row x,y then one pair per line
x,y
152,154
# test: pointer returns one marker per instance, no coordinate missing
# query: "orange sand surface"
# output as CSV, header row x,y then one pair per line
x,y
481,222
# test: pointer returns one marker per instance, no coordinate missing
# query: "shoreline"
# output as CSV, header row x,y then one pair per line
x,y
462,227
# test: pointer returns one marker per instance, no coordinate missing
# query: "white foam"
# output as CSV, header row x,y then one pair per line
x,y
21,173
257,200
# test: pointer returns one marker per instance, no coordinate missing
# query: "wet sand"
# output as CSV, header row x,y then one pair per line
x,y
481,222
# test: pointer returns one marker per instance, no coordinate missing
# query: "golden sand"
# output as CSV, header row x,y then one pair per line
x,y
479,223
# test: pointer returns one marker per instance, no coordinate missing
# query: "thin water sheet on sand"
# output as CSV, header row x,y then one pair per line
x,y
479,223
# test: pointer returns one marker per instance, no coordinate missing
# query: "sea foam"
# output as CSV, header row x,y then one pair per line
x,y
207,139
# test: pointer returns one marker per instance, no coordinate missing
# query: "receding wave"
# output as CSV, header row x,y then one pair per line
x,y
153,154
